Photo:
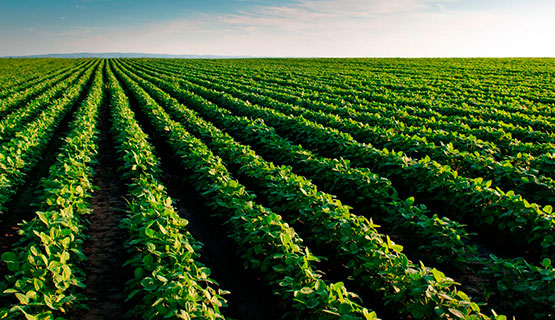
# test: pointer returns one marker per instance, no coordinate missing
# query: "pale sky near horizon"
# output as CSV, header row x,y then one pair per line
x,y
324,28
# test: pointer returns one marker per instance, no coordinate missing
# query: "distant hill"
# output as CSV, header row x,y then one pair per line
x,y
125,55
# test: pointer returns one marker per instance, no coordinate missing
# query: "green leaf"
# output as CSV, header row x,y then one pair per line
x,y
132,294
338,286
456,313
66,273
9,257
42,217
10,291
149,232
34,251
306,290
23,299
148,284
64,257
548,209
157,301
285,237
438,275
48,302
168,202
139,273
150,246
370,315
28,316
462,295
148,261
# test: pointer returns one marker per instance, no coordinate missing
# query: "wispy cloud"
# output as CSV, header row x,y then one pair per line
x,y
365,8
332,28
308,13
399,27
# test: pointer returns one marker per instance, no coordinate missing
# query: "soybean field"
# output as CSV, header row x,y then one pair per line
x,y
277,188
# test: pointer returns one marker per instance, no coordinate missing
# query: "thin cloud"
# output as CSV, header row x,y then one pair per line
x,y
311,10
333,28
311,17
365,8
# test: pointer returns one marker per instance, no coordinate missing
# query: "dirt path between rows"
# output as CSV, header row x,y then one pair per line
x,y
105,274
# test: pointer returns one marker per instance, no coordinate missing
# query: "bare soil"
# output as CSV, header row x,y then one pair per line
x,y
105,274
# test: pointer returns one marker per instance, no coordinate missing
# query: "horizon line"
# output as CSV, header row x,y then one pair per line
x,y
68,55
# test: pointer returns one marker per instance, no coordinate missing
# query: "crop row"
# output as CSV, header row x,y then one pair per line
x,y
392,87
43,90
420,121
481,87
490,210
276,155
16,76
168,280
37,76
16,120
440,239
326,223
538,189
268,245
20,155
46,263
364,189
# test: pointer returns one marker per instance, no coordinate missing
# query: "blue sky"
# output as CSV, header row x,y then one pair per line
x,y
346,28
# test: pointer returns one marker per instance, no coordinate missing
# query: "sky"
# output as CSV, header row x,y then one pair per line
x,y
299,28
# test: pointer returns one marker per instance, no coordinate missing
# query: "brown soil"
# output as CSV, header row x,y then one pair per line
x,y
105,274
